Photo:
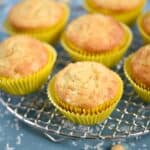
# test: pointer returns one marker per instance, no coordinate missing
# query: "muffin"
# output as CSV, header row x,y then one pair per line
x,y
125,11
96,37
25,64
85,92
143,23
43,20
137,70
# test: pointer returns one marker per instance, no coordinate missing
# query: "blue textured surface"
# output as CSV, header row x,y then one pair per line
x,y
15,135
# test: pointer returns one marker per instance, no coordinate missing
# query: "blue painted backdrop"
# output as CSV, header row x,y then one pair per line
x,y
15,135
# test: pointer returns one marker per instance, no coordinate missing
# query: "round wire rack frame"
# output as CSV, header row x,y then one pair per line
x,y
130,118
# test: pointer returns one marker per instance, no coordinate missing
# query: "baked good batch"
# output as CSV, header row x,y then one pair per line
x,y
85,92
137,70
42,19
143,23
96,37
25,64
123,10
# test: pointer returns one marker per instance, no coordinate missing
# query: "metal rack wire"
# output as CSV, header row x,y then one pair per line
x,y
131,117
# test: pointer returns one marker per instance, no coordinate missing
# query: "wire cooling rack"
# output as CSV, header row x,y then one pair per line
x,y
130,118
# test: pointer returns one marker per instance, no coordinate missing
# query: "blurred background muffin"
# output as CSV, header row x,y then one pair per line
x,y
123,10
42,19
96,37
85,92
137,70
25,64
144,26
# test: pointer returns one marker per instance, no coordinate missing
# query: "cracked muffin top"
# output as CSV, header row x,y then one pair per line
x,y
86,84
95,33
33,14
117,5
146,23
140,66
21,55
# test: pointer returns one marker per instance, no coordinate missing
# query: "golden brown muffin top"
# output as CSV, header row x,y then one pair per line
x,y
140,66
117,5
146,23
95,33
86,84
33,14
21,56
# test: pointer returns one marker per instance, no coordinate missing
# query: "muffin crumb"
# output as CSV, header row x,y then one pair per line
x,y
118,147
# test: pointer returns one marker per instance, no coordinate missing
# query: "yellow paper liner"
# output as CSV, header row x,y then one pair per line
x,y
110,58
145,36
50,34
32,82
140,88
85,116
126,17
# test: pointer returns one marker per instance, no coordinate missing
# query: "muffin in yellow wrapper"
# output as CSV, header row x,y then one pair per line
x,y
137,70
84,119
88,112
119,11
139,88
47,29
99,45
17,79
140,23
48,35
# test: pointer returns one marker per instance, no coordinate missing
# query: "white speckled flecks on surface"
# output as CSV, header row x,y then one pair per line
x,y
15,135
